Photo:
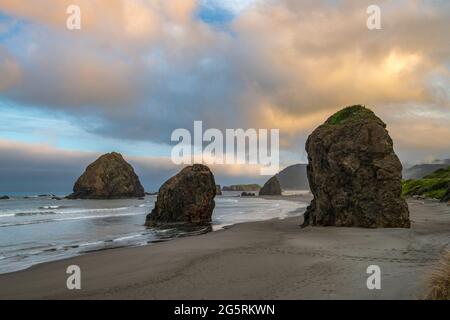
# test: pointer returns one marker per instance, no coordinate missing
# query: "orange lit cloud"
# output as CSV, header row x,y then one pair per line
x,y
146,67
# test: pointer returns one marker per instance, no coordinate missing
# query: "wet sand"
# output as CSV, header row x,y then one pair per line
x,y
262,260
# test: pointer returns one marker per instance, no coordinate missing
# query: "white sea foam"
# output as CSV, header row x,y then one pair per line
x,y
225,200
76,211
128,237
7,215
99,216
34,213
89,244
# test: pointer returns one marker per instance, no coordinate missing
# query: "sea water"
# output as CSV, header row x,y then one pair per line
x,y
39,229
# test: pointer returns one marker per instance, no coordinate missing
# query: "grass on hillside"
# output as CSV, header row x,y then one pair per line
x,y
443,173
435,185
430,188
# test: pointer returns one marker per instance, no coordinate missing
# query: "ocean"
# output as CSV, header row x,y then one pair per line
x,y
38,229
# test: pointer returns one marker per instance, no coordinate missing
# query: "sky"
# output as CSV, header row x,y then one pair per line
x,y
139,69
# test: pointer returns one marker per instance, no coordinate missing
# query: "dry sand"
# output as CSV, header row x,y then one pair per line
x,y
263,260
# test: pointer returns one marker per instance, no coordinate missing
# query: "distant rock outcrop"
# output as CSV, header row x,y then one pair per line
x,y
242,187
294,177
186,199
354,174
4,198
109,177
271,188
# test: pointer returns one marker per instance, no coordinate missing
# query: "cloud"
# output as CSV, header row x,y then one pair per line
x,y
140,69
9,69
39,168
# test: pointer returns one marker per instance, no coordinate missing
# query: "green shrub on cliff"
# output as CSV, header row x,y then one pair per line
x,y
435,185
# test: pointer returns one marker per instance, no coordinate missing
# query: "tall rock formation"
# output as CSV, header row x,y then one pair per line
x,y
271,188
186,199
109,177
354,174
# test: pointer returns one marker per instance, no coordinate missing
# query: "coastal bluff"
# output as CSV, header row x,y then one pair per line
x,y
185,200
354,173
109,177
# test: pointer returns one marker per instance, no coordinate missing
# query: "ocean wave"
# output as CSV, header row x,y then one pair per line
x,y
26,213
14,224
34,213
88,244
128,237
221,200
76,211
7,215
99,216
56,210
49,207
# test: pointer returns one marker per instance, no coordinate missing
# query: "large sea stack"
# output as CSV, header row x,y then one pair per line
x,y
109,177
271,188
354,174
186,199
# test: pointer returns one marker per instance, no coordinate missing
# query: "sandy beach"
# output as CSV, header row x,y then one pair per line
x,y
261,260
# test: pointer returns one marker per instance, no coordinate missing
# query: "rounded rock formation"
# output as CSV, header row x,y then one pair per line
x,y
354,174
109,177
186,199
271,188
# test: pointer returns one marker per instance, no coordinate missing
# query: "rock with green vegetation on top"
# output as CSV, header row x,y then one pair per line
x,y
354,173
